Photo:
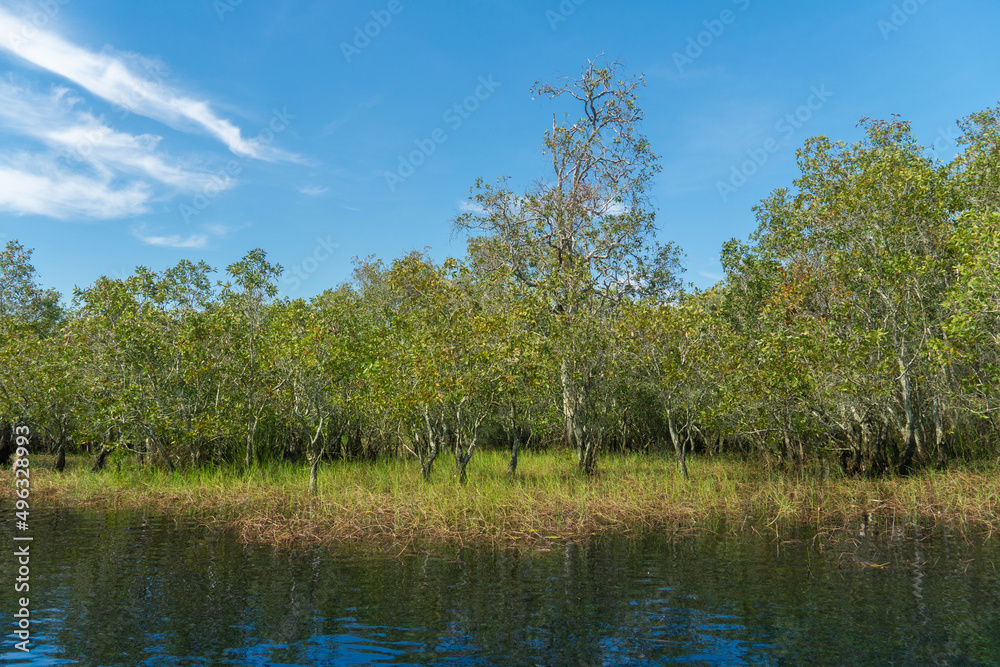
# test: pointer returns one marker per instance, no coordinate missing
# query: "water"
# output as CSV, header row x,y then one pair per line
x,y
128,590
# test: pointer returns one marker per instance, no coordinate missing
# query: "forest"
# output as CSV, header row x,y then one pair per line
x,y
855,333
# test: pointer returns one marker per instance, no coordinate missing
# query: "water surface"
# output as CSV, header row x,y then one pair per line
x,y
125,589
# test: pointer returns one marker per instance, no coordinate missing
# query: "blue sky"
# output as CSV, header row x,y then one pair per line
x,y
145,132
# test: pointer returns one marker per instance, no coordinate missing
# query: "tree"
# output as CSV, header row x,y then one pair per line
x,y
41,383
247,300
668,349
442,365
859,251
28,315
973,325
149,344
21,297
321,358
507,324
584,239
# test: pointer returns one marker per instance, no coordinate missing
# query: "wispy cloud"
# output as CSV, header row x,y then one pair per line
x,y
314,190
220,230
614,208
117,79
78,136
32,184
141,232
198,240
466,206
85,166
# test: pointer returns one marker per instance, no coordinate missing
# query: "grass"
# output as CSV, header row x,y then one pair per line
x,y
388,502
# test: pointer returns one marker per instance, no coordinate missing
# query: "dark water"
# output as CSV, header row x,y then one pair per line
x,y
124,590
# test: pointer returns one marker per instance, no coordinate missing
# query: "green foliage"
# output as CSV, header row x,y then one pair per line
x,y
582,243
856,329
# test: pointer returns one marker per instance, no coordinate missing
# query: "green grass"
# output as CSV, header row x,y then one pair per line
x,y
388,501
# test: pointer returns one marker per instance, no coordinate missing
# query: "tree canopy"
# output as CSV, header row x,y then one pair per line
x,y
855,332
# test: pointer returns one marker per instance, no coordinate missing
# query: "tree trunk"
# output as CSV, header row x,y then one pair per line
x,y
512,466
578,436
101,459
163,454
569,407
940,453
910,431
678,445
314,475
588,458
249,458
252,418
6,443
463,465
60,463
426,463
465,447
586,446
436,437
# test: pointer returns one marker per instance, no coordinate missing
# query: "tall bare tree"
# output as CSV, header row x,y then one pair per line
x,y
584,238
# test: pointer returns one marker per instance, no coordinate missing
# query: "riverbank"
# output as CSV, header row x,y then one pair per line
x,y
388,501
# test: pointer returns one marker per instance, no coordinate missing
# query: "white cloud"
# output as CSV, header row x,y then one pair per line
x,y
314,190
221,230
36,185
80,137
89,169
614,208
210,231
466,206
117,79
141,232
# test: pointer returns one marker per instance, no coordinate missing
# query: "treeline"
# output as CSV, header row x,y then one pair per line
x,y
859,329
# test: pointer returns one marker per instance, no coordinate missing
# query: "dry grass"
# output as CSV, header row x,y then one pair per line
x,y
387,503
